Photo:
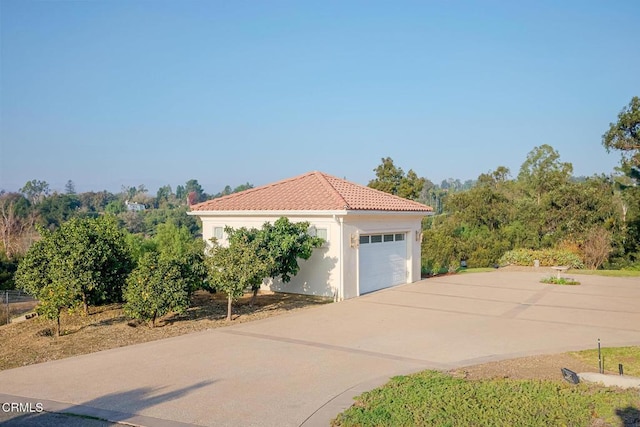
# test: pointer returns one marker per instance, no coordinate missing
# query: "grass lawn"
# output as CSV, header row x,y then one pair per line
x,y
432,398
608,273
477,270
628,356
486,395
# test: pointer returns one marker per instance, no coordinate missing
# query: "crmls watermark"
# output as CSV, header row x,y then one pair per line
x,y
22,407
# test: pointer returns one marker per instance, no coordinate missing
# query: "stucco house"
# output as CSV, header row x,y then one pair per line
x,y
373,239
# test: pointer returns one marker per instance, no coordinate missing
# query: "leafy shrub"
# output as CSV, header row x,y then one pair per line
x,y
156,287
547,258
559,281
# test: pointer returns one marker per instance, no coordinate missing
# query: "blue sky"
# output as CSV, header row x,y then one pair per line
x,y
112,93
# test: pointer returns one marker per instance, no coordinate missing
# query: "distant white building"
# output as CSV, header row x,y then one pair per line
x,y
134,207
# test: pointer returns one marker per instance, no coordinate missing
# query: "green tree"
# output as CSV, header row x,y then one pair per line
x,y
392,180
543,171
56,209
193,186
177,244
35,190
228,190
8,267
156,287
38,276
242,187
239,266
170,267
88,257
178,215
495,179
624,135
115,207
165,197
70,187
388,177
91,201
261,239
286,242
411,186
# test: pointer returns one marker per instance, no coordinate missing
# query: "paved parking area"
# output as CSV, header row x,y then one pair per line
x,y
303,368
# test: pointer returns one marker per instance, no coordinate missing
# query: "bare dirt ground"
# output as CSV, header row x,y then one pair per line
x,y
34,340
545,367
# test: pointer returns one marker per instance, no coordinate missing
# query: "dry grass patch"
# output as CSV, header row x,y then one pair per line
x,y
107,327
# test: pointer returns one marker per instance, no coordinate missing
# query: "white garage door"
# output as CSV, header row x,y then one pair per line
x,y
383,261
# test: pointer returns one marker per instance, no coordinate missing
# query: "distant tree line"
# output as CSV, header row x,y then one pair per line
x,y
36,205
544,207
72,251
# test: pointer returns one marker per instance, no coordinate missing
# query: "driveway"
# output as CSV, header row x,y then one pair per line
x,y
305,367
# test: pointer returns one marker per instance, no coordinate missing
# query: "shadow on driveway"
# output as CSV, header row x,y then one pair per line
x,y
90,413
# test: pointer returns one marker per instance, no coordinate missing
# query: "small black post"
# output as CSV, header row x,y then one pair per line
x,y
600,367
620,369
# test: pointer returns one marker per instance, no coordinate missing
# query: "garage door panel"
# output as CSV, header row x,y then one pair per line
x,y
382,264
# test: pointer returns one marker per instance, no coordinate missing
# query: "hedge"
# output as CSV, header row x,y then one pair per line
x,y
547,258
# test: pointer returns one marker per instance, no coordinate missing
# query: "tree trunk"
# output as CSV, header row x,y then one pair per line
x,y
58,323
254,297
153,319
85,306
229,308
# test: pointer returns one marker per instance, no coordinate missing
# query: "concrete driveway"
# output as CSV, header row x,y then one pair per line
x,y
305,367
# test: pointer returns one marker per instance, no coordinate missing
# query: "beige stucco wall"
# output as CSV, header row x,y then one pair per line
x,y
323,274
320,275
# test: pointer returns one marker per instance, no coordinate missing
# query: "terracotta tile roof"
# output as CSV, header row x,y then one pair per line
x,y
311,191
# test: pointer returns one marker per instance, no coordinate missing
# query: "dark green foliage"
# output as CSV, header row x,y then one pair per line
x,y
8,269
554,280
542,171
35,190
624,136
95,201
547,258
170,267
543,209
393,180
286,242
56,209
84,260
256,254
241,265
178,216
156,287
174,242
115,207
228,190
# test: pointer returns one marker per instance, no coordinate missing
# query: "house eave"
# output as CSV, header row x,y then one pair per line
x,y
363,212
279,213
269,213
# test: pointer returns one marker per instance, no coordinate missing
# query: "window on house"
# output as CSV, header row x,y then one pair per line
x,y
376,238
218,232
399,237
364,240
388,237
322,233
